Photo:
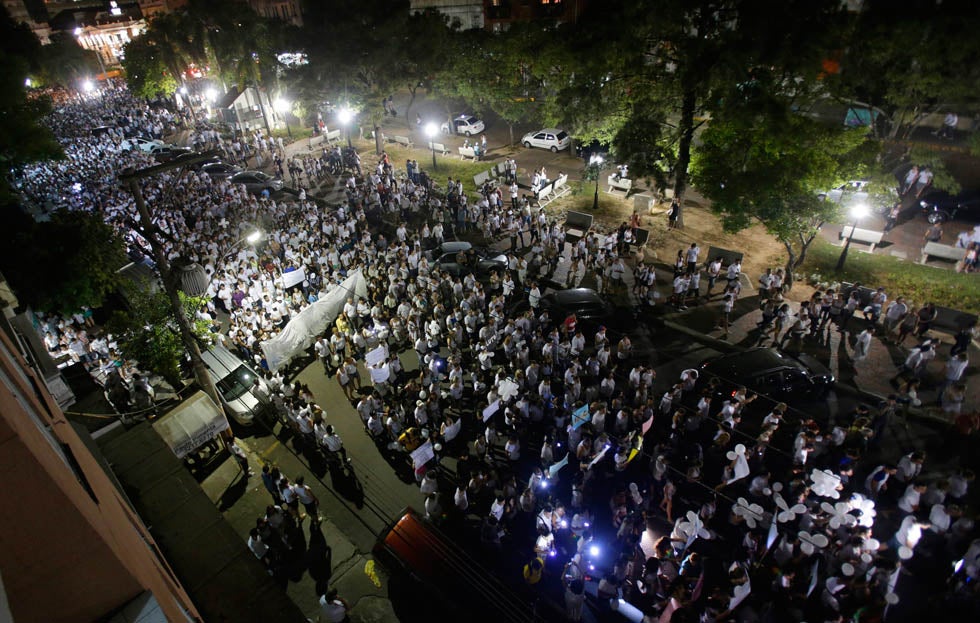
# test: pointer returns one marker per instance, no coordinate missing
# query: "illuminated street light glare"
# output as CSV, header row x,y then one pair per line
x,y
28,83
595,159
211,94
88,86
78,30
282,104
344,115
253,237
431,129
859,211
183,90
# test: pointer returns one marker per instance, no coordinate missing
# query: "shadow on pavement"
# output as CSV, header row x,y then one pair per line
x,y
233,493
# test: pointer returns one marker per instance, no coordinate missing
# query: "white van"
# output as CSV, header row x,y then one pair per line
x,y
235,381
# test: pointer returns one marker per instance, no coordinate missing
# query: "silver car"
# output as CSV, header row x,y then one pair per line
x,y
235,381
256,181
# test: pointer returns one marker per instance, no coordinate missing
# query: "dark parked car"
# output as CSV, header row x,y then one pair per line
x,y
256,181
769,372
169,153
220,170
939,206
459,258
590,308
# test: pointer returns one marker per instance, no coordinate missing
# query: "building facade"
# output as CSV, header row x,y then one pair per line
x,y
467,14
290,11
500,14
71,546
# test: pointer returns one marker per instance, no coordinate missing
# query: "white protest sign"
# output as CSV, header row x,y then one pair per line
x,y
490,410
422,455
376,356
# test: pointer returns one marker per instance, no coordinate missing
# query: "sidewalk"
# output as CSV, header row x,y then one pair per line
x,y
341,566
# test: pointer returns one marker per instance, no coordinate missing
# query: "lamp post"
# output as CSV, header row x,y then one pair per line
x,y
282,107
431,130
595,161
345,116
857,212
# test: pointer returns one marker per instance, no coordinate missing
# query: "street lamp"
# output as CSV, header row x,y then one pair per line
x,y
282,107
345,115
431,129
857,212
98,53
88,86
595,161
28,82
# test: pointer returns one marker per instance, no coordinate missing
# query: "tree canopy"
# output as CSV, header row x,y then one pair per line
x,y
62,264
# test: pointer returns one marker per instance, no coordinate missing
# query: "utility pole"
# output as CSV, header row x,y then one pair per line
x,y
132,180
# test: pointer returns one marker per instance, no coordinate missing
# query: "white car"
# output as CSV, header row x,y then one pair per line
x,y
143,144
467,125
848,194
235,381
548,138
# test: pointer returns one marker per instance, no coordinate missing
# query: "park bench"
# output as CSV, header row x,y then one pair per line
x,y
560,187
333,136
617,184
952,320
316,140
867,236
481,178
945,251
577,225
439,147
403,141
544,196
467,152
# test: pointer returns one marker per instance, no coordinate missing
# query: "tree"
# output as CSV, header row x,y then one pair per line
x,y
62,264
909,64
146,74
63,62
762,162
650,78
425,38
148,331
495,73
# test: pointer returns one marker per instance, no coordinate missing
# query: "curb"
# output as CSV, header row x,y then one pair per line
x,y
851,390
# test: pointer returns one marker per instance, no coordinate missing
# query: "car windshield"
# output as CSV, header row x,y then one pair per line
x,y
562,135
237,383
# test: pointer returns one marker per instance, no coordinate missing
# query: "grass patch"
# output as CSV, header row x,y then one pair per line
x,y
916,282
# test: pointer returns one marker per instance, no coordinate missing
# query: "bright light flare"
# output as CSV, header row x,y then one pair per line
x,y
431,130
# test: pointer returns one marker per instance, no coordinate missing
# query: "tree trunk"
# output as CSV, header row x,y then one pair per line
x,y
688,104
378,140
411,102
790,265
510,127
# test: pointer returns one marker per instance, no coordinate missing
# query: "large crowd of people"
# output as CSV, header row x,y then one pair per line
x,y
668,495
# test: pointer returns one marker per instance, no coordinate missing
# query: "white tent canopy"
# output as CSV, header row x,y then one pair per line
x,y
191,424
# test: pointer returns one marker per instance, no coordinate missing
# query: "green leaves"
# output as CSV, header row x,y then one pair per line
x,y
62,264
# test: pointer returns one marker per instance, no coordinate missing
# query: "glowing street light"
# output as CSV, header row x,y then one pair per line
x,y
88,86
282,106
345,116
254,237
595,161
431,130
857,212
28,83
211,94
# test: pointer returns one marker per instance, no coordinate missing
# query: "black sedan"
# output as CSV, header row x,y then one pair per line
x,y
220,170
768,372
939,206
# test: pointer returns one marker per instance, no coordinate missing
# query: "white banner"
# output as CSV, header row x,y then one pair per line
x,y
376,357
291,278
300,333
490,410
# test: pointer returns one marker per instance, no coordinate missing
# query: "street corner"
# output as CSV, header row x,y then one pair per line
x,y
369,602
